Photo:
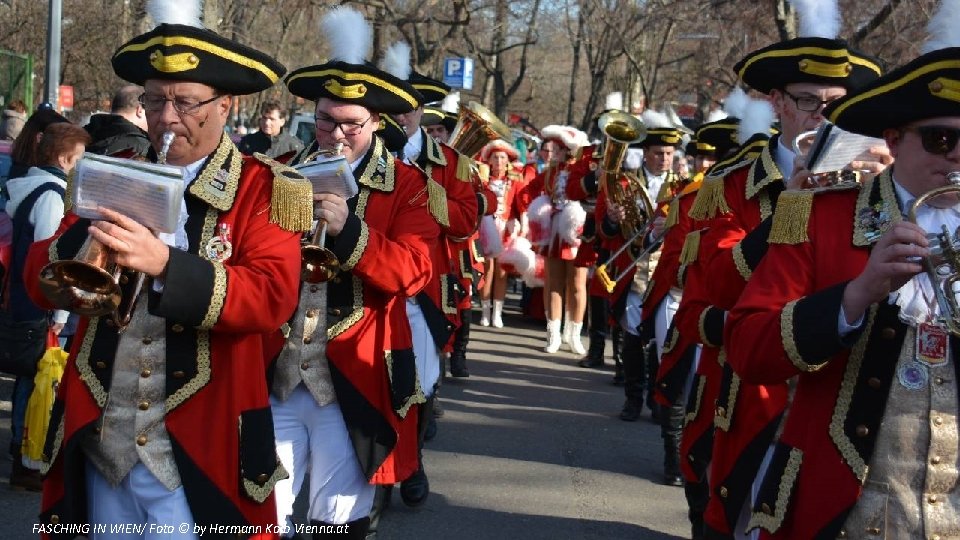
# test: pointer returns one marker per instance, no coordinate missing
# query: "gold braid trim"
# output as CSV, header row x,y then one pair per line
x,y
291,199
219,294
96,389
692,415
673,337
790,343
57,443
741,262
701,325
772,518
791,218
255,490
355,283
710,200
416,398
690,249
357,252
465,168
437,201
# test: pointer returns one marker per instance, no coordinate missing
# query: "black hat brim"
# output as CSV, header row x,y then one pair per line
x,y
662,137
806,60
361,84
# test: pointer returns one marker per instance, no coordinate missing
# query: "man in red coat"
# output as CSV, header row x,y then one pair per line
x,y
345,388
869,447
169,422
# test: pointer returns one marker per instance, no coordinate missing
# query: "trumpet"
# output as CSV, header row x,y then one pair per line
x,y
86,284
317,263
801,146
943,264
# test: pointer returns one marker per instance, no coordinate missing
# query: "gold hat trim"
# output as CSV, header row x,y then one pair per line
x,y
669,136
705,146
945,88
170,41
435,88
345,91
393,89
823,69
173,63
817,51
893,85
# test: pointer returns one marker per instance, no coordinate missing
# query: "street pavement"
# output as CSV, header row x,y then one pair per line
x,y
530,447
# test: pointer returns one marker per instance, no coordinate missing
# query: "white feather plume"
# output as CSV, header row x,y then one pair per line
x,y
654,119
817,18
736,102
614,101
396,60
451,103
758,116
943,27
716,114
186,12
348,33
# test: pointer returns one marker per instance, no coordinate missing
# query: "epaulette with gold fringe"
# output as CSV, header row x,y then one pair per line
x,y
673,215
291,198
437,197
691,247
465,168
792,215
710,200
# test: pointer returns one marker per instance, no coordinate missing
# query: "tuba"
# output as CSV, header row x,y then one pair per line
x,y
622,130
87,285
476,127
943,264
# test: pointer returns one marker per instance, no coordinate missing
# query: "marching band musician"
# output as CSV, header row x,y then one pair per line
x,y
556,220
345,387
869,447
800,76
169,421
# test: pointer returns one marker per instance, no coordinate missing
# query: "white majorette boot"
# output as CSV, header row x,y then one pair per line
x,y
484,313
565,337
553,337
575,344
498,313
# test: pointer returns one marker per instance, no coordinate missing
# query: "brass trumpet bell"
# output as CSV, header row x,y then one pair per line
x,y
317,263
82,285
476,127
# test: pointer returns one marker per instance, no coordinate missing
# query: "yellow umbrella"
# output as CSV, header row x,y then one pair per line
x,y
49,370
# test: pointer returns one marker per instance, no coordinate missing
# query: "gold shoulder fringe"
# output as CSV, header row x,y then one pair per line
x,y
673,215
710,200
438,202
465,168
791,217
691,247
291,199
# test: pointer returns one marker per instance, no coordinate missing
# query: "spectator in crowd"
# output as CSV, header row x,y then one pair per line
x,y
271,139
14,116
123,131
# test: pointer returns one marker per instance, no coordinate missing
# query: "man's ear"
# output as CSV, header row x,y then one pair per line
x,y
893,138
224,105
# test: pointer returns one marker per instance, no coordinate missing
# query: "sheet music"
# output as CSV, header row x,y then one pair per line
x,y
833,148
146,192
330,175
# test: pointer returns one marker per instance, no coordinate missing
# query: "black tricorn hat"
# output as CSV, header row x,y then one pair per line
x,y
433,116
393,135
432,90
807,60
717,137
362,84
926,87
662,136
188,53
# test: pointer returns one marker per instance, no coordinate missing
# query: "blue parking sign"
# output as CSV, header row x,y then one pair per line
x,y
458,73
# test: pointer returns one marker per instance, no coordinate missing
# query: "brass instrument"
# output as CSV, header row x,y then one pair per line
x,y
86,284
476,127
943,264
801,146
317,263
622,130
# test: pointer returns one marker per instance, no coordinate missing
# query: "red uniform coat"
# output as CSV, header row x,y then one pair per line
x,y
577,188
747,415
384,252
786,325
217,312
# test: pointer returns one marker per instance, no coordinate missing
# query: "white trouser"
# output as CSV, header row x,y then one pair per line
x,y
631,317
139,499
424,348
313,438
662,319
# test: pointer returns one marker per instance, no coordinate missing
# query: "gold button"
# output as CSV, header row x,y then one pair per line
x,y
101,365
847,68
141,440
146,373
147,340
874,382
936,87
178,374
721,412
842,534
54,519
939,380
766,509
862,431
932,499
307,340
305,365
888,333
311,313
314,288
663,385
193,60
873,531
938,421
154,55
262,479
803,65
935,460
96,429
724,492
123,280
177,327
335,312
144,405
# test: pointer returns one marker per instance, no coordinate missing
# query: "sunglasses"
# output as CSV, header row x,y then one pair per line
x,y
937,140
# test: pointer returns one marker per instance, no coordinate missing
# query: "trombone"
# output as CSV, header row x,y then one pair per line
x,y
85,286
611,283
943,264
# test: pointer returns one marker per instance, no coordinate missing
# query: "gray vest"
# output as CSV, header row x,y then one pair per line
x,y
304,358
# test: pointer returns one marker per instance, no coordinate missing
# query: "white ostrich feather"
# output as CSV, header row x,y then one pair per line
x,y
348,33
715,115
653,119
451,103
758,116
396,60
186,12
943,27
817,18
736,102
614,101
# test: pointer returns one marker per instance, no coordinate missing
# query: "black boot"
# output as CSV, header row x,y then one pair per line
x,y
633,371
381,501
458,358
652,365
697,494
671,427
354,530
414,490
598,333
616,335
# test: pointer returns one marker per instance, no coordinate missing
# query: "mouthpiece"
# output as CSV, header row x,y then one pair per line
x,y
167,140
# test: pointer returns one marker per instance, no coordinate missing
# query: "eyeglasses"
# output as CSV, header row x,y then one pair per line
x,y
808,103
327,125
182,105
937,140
